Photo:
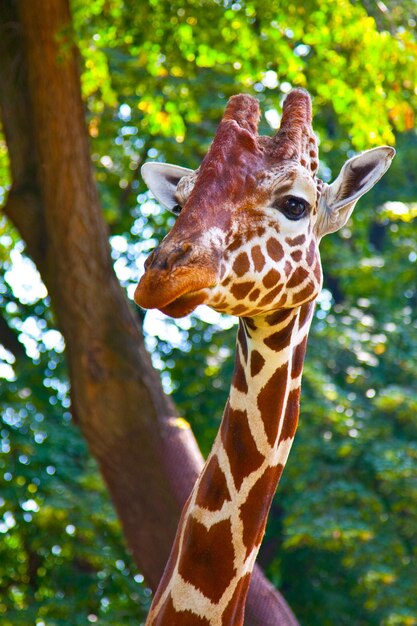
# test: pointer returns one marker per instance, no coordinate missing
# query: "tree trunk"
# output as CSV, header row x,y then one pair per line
x,y
148,460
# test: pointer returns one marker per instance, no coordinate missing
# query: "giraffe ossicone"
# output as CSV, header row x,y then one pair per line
x,y
246,242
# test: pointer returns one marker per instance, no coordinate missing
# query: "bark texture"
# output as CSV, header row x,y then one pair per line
x,y
148,460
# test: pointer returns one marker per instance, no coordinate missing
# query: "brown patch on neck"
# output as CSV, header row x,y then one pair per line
x,y
271,296
257,362
298,358
254,511
239,377
306,293
297,277
292,412
271,278
243,341
278,317
271,402
207,559
244,456
281,339
254,295
213,491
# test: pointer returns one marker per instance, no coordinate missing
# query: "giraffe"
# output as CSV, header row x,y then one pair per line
x,y
245,242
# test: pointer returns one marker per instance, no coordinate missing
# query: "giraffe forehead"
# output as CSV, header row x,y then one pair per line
x,y
251,184
289,178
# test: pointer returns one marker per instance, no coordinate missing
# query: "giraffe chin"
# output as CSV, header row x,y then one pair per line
x,y
185,304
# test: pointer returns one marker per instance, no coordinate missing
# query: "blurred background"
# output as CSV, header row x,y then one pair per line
x,y
341,540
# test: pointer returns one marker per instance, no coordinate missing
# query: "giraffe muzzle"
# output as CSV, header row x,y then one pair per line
x,y
174,282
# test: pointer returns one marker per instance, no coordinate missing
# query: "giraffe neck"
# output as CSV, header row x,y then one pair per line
x,y
222,525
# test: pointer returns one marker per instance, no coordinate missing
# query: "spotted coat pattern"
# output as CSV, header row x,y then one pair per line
x,y
208,574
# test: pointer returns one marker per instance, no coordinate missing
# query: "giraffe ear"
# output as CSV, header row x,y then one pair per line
x,y
357,176
162,179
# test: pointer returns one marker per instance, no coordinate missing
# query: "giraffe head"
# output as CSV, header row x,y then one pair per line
x,y
250,218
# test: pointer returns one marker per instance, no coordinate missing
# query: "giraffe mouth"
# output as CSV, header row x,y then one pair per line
x,y
175,296
185,304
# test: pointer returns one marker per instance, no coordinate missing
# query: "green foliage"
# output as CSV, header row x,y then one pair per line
x,y
155,79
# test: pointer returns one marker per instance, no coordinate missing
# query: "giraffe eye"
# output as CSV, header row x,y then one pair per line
x,y
176,209
293,208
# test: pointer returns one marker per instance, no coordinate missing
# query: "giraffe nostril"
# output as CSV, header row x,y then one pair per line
x,y
178,254
162,259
